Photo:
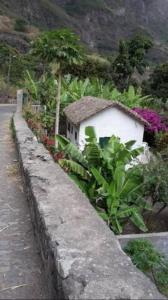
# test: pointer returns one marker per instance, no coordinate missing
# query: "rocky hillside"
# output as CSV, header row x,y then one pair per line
x,y
101,23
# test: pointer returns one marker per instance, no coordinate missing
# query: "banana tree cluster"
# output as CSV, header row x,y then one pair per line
x,y
101,174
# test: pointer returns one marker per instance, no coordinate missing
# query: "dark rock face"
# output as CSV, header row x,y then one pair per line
x,y
101,23
102,29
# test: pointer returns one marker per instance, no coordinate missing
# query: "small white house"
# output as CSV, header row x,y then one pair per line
x,y
108,118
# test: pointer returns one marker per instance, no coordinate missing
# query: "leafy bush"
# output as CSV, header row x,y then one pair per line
x,y
143,254
42,90
6,90
162,141
161,278
93,67
155,175
146,258
101,174
12,64
33,120
157,84
131,57
27,112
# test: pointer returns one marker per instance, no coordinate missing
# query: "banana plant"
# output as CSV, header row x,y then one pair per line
x,y
71,151
117,193
78,167
133,98
102,175
32,86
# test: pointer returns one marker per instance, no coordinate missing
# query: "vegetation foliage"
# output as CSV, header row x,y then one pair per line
x,y
101,173
150,261
157,84
155,177
57,72
131,57
117,193
61,47
74,89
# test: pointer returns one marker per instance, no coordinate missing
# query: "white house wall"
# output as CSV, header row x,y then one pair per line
x,y
71,135
113,121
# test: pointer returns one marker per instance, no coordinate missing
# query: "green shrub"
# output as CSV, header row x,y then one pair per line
x,y
48,122
13,64
161,279
162,141
28,114
150,261
143,254
20,25
5,89
101,174
157,84
155,175
93,67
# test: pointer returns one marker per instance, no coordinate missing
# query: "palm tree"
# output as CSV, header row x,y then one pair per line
x,y
63,48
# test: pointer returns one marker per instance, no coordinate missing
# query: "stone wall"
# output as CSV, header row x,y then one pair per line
x,y
82,257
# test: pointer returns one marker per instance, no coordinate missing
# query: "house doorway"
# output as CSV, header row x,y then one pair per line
x,y
103,141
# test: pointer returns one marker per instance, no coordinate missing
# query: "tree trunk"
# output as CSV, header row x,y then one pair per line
x,y
9,70
57,115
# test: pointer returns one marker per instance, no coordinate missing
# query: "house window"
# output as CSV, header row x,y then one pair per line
x,y
72,129
76,135
69,127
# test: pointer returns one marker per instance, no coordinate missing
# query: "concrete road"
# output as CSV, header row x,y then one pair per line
x,y
21,271
7,108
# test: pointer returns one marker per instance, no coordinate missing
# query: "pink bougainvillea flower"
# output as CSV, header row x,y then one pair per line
x,y
153,118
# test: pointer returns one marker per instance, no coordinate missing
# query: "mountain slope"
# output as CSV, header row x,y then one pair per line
x,y
101,23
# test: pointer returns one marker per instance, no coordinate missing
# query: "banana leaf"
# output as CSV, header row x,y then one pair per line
x,y
138,221
74,167
62,141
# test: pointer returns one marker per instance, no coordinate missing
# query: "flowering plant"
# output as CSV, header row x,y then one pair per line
x,y
156,124
49,143
59,155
